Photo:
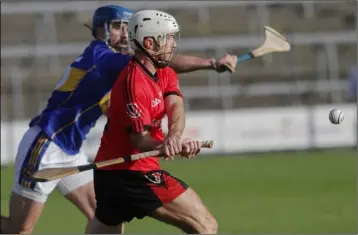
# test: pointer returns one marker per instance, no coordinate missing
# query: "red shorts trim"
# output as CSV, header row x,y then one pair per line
x,y
165,186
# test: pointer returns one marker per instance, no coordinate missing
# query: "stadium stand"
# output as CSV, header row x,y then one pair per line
x,y
300,63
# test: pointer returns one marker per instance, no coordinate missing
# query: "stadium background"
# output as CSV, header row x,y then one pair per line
x,y
276,103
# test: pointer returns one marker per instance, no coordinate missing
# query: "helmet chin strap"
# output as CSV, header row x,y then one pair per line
x,y
158,63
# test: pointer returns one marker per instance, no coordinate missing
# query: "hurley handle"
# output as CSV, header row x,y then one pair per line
x,y
134,157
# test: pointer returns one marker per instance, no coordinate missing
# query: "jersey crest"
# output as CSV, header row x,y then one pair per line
x,y
133,111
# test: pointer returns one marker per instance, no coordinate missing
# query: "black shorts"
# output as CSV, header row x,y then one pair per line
x,y
123,194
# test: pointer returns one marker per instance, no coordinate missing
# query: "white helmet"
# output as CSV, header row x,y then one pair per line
x,y
150,23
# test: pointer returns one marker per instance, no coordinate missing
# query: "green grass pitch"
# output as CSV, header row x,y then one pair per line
x,y
289,193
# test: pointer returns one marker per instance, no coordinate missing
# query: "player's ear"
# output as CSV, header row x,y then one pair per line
x,y
149,43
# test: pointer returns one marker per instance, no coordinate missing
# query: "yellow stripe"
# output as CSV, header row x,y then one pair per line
x,y
39,152
72,91
104,102
26,184
62,128
75,120
35,155
37,149
34,151
73,79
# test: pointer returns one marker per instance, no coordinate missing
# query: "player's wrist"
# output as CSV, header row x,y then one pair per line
x,y
175,132
213,63
172,134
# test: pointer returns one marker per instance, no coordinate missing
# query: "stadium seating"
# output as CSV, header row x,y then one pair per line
x,y
300,63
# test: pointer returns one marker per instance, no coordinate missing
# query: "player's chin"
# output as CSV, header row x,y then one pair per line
x,y
167,56
121,44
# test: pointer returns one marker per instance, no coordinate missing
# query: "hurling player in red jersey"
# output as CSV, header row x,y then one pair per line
x,y
145,91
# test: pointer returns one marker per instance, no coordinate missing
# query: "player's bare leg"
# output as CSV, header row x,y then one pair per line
x,y
188,213
24,214
99,228
84,199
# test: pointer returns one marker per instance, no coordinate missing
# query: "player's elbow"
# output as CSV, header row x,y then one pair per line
x,y
139,144
142,141
174,103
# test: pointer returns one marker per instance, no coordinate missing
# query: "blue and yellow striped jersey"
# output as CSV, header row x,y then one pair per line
x,y
79,98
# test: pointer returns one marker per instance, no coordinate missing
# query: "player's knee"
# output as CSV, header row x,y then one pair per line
x,y
205,224
90,217
90,214
210,226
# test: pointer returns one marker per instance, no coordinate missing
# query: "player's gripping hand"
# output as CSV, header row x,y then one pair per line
x,y
172,146
226,63
191,148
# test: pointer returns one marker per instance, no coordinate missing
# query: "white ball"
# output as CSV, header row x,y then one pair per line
x,y
336,116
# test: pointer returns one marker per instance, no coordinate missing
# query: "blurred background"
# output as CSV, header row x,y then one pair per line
x,y
278,165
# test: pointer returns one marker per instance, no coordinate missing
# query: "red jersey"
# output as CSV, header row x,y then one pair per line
x,y
137,105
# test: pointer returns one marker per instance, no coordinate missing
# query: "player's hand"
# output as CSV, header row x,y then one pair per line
x,y
191,148
226,63
172,146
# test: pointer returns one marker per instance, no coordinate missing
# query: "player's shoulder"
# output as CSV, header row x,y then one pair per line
x,y
167,74
136,70
85,60
132,71
96,44
100,47
131,80
168,71
104,53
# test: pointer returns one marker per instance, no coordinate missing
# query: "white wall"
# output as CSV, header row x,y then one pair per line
x,y
235,131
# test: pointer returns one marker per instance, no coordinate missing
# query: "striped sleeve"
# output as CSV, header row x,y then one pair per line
x,y
172,83
136,102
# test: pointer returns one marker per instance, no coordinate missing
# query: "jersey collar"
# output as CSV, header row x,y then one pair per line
x,y
153,77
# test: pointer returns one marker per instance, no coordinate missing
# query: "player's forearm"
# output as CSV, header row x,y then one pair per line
x,y
176,119
185,63
145,142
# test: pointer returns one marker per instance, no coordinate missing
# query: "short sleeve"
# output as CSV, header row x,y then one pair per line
x,y
137,118
172,83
